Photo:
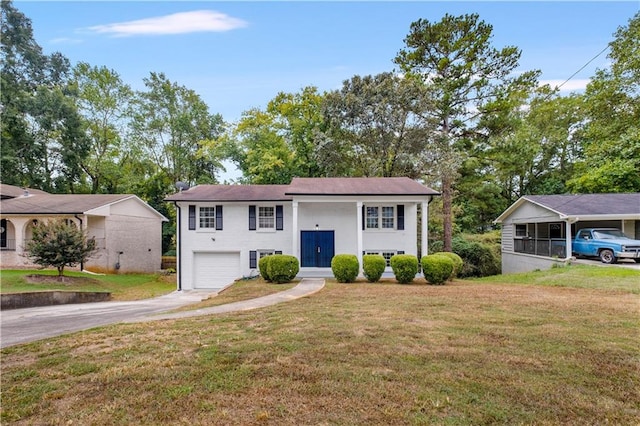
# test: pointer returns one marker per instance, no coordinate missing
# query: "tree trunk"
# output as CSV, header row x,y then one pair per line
x,y
60,271
447,216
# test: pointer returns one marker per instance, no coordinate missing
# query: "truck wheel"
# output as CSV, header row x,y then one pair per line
x,y
606,256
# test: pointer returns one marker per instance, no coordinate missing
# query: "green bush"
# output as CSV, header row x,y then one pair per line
x,y
282,268
345,267
437,268
373,266
479,259
263,266
405,267
458,263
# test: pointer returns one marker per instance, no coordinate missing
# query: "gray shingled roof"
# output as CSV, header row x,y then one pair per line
x,y
590,204
11,191
358,186
58,203
232,193
304,186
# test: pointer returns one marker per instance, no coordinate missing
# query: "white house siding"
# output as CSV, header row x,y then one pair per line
x,y
513,262
234,237
338,217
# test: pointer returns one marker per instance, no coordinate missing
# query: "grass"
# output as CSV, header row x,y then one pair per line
x,y
121,286
579,276
467,353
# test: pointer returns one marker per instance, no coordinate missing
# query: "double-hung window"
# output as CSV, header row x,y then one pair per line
x,y
266,217
380,217
207,218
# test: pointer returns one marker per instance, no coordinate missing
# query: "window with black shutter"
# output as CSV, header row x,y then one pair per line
x,y
218,218
400,214
279,218
192,218
252,218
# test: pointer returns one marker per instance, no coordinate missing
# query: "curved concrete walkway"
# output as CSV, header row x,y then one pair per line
x,y
31,324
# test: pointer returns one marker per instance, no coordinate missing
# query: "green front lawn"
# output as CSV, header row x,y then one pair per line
x,y
467,353
121,286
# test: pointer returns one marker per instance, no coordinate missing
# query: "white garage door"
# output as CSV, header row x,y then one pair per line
x,y
215,270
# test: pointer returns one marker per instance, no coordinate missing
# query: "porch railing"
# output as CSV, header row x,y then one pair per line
x,y
541,246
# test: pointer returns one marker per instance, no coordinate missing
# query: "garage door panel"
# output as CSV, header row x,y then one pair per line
x,y
215,270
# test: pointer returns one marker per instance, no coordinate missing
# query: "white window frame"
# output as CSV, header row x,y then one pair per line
x,y
382,220
387,254
210,219
263,253
262,217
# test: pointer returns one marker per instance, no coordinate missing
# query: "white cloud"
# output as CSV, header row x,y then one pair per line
x,y
570,86
177,23
65,40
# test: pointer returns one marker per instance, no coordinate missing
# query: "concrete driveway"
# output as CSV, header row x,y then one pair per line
x,y
31,324
623,263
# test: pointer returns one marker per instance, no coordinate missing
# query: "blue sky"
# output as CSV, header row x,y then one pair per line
x,y
239,55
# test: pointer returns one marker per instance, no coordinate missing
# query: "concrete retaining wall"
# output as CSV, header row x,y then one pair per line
x,y
47,298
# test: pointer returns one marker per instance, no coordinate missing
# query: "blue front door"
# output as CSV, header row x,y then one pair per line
x,y
316,248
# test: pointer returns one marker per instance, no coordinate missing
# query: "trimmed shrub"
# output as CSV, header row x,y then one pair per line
x,y
345,267
373,266
263,266
437,268
282,268
405,267
458,263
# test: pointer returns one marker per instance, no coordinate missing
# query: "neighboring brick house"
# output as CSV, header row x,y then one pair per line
x,y
128,232
536,229
223,230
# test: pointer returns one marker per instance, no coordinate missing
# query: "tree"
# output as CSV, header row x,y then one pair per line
x,y
272,146
42,135
59,244
171,125
612,135
373,127
464,78
103,101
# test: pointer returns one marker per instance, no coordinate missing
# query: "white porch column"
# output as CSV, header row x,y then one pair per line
x,y
567,237
424,229
359,232
294,248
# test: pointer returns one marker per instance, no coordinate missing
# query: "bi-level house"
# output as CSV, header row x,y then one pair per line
x,y
223,230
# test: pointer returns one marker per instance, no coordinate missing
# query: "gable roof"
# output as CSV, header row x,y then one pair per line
x,y
232,193
12,191
304,186
64,204
583,206
358,186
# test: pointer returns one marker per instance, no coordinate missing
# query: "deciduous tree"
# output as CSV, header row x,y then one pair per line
x,y
59,244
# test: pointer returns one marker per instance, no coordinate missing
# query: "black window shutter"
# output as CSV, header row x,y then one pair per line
x,y
364,217
400,213
400,252
252,218
253,259
278,252
279,218
218,218
192,217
